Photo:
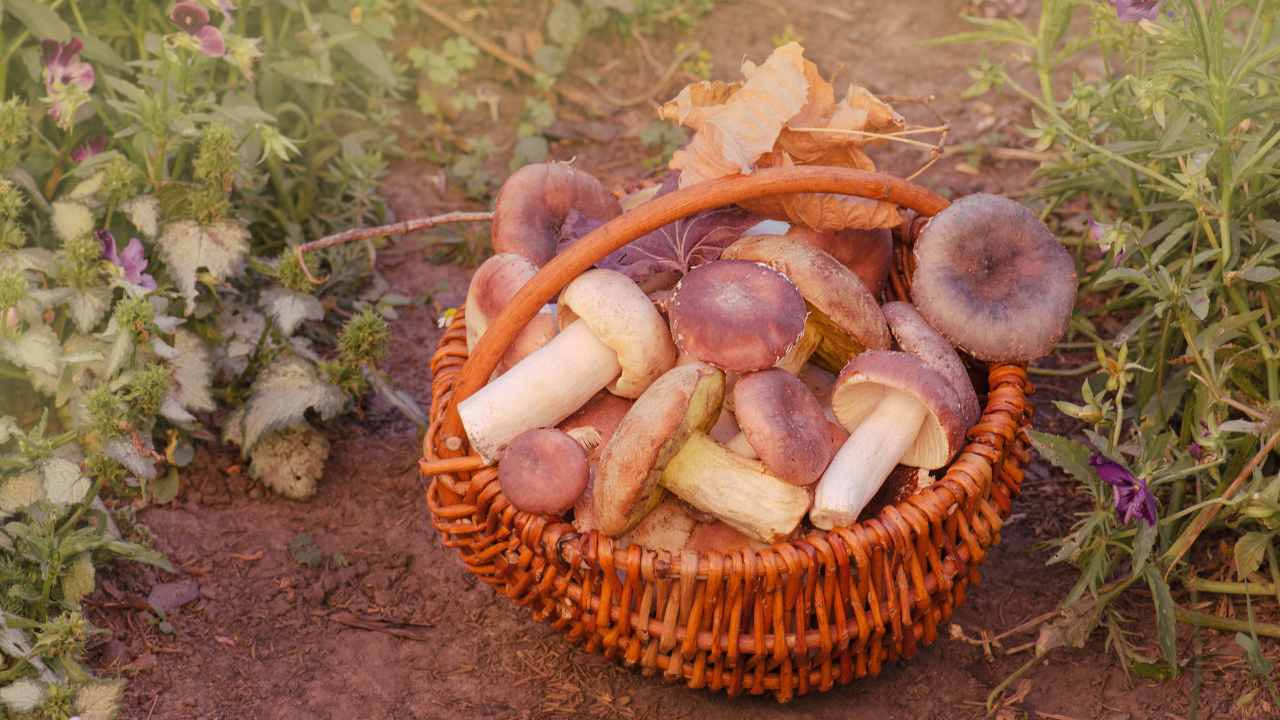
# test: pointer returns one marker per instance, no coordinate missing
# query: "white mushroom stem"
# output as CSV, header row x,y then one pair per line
x,y
866,459
539,391
734,489
739,444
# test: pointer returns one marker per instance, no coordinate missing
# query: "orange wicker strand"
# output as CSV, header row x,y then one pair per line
x,y
799,617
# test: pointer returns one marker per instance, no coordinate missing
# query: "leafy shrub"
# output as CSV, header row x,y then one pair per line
x,y
159,163
1171,146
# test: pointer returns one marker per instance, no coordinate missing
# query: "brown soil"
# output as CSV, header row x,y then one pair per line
x,y
385,623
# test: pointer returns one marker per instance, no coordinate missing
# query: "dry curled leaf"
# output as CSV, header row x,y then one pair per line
x,y
785,114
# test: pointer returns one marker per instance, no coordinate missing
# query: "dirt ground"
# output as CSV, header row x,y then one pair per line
x,y
348,606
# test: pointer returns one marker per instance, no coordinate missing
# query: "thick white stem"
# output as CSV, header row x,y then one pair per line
x,y
866,459
741,445
540,391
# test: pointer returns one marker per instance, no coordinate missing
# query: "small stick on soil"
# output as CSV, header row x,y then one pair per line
x,y
582,99
1213,622
401,228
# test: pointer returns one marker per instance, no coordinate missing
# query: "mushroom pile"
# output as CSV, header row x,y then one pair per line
x,y
736,379
763,392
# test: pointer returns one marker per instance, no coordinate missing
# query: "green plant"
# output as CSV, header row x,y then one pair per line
x,y
1172,150
159,163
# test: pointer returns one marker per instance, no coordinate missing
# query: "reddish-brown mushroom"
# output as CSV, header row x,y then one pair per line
x,y
868,253
533,205
783,424
543,471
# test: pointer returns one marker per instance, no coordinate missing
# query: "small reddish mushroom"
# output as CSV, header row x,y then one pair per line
x,y
536,201
543,472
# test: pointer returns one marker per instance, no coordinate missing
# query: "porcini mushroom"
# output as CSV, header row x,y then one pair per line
x,y
844,316
662,443
897,410
783,424
611,336
735,315
543,471
993,280
535,202
868,253
684,400
917,337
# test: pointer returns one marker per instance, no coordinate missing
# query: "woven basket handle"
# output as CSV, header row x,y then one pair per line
x,y
646,218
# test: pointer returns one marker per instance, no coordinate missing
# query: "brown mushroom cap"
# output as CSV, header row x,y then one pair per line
x,y
784,424
917,337
602,413
620,315
867,378
534,202
494,283
721,537
736,315
683,401
543,471
868,253
667,528
993,280
847,314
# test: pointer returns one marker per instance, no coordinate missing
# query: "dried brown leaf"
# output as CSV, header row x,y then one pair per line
x,y
826,212
733,135
690,107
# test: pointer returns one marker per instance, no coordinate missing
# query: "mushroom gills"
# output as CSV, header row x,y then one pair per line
x,y
861,465
546,387
735,489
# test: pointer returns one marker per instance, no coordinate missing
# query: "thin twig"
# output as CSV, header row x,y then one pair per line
x,y
1206,516
647,96
401,228
584,100
1228,588
994,695
1067,372
891,137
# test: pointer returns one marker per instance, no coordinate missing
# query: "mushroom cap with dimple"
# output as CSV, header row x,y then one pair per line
x,y
736,315
846,312
684,400
993,279
543,471
868,253
494,283
620,315
784,424
916,336
867,379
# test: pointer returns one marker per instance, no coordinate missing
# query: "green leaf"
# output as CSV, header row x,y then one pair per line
x,y
289,308
564,24
291,461
165,488
1166,622
304,70
1142,545
37,349
63,482
550,59
304,550
78,581
1251,550
100,700
362,48
19,491
123,451
137,553
188,246
1258,662
193,372
1069,455
282,396
40,20
8,428
1260,274
121,352
88,306
529,150
22,696
71,220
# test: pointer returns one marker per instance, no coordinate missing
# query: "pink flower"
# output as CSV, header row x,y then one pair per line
x,y
67,79
133,261
193,19
1135,10
89,149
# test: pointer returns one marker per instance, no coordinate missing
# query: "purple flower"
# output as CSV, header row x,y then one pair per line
x,y
193,19
1133,497
89,149
1135,10
132,260
67,79
1195,451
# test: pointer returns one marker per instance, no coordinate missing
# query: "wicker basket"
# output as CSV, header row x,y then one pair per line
x,y
798,617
